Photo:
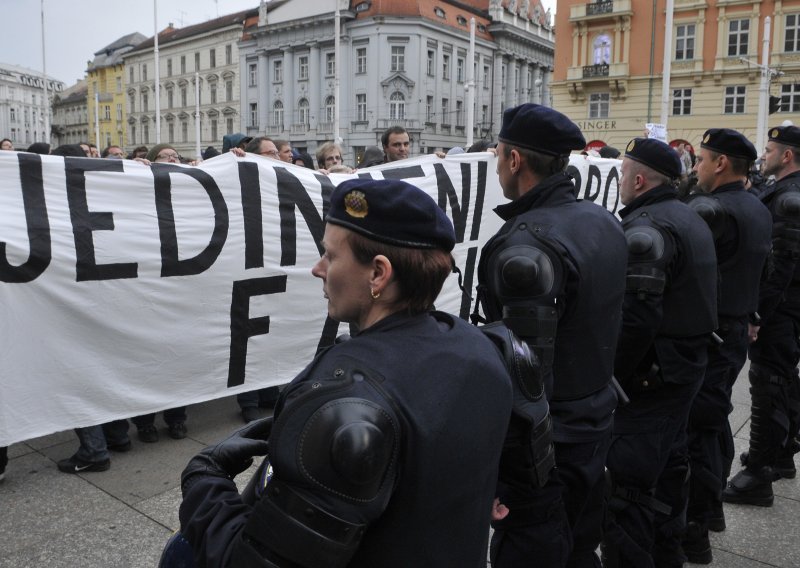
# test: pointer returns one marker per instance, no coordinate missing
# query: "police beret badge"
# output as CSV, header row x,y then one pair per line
x,y
631,144
774,133
706,138
355,204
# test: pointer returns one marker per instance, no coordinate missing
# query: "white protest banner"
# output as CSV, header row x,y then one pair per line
x,y
127,289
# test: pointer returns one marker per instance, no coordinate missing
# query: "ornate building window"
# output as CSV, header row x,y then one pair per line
x,y
681,102
602,50
599,105
791,43
277,113
397,106
738,37
684,42
304,112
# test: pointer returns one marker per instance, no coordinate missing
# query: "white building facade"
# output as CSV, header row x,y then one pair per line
x,y
401,64
71,115
208,52
23,105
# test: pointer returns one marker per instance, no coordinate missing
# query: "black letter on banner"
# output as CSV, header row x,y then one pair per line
x,y
170,265
613,175
446,190
479,198
251,211
406,172
291,194
30,173
594,174
84,222
329,331
327,190
243,327
469,270
575,173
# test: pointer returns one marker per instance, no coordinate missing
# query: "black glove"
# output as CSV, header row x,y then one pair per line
x,y
233,455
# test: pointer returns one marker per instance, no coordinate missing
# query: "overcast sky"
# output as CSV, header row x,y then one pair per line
x,y
75,29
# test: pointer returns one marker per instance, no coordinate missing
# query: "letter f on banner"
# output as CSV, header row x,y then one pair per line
x,y
242,326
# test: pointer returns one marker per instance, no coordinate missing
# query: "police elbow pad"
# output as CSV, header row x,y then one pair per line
x,y
528,454
646,260
786,230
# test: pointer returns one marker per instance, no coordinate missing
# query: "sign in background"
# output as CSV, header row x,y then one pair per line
x,y
126,289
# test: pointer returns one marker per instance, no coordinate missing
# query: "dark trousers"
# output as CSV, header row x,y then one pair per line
x,y
648,466
710,437
171,416
564,522
261,397
773,373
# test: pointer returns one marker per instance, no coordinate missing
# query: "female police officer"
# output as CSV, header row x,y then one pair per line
x,y
385,448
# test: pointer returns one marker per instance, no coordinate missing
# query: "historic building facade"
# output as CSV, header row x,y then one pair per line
x,y
402,63
23,105
71,115
105,79
609,66
207,53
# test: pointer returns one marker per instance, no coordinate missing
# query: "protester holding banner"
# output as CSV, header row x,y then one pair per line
x,y
742,230
669,313
555,274
6,144
385,449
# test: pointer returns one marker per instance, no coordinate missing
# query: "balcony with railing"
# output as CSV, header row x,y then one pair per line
x,y
599,10
598,72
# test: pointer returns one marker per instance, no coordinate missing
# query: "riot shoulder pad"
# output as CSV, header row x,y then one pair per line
x,y
787,204
648,256
527,278
711,211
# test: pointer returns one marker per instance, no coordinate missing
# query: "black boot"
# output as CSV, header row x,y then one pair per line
x,y
716,522
750,487
696,545
783,468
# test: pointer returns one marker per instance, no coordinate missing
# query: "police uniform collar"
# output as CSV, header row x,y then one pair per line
x,y
655,195
730,186
555,190
391,321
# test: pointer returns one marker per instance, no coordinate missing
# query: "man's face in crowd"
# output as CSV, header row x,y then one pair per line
x,y
773,154
332,158
115,152
285,153
397,147
269,150
704,168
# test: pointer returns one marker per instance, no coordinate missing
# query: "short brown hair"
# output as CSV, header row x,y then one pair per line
x,y
540,164
419,273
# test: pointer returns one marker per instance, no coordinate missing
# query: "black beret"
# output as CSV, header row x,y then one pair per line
x,y
789,135
392,212
656,155
729,142
541,129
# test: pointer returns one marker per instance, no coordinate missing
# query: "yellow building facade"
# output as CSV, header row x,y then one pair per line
x,y
609,66
105,79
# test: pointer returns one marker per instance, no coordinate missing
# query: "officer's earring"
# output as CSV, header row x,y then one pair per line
x,y
373,294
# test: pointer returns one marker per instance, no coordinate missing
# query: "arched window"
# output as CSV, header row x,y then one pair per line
x,y
397,106
330,109
277,113
602,50
302,109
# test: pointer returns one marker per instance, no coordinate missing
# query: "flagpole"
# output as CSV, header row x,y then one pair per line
x,y
158,86
46,101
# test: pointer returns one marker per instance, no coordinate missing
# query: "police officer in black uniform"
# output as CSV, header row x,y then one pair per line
x,y
741,227
385,449
669,313
555,274
774,383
